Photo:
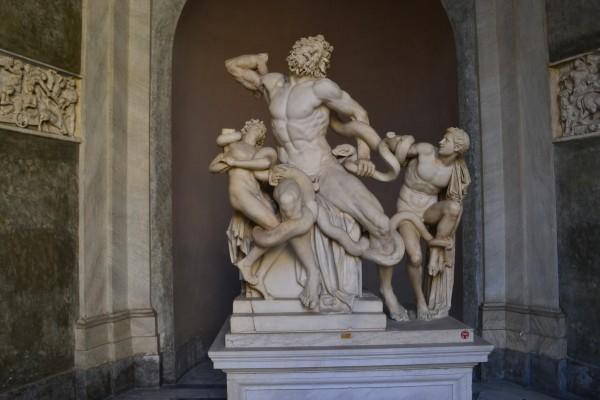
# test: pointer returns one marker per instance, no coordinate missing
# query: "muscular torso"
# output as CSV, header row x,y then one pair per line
x,y
425,178
241,180
299,121
427,175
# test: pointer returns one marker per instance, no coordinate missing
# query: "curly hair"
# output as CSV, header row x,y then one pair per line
x,y
315,67
256,123
461,139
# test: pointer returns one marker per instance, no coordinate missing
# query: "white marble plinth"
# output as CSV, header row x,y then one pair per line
x,y
288,315
445,330
365,372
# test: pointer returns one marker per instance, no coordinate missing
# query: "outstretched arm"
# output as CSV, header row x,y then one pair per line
x,y
264,159
421,150
341,102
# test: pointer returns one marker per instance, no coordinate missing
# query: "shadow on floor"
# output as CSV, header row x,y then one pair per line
x,y
199,383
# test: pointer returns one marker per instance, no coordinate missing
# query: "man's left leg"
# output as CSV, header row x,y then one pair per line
x,y
350,195
446,214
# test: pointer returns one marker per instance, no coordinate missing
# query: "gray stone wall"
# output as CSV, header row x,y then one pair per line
x,y
573,29
572,26
38,218
38,242
46,31
578,202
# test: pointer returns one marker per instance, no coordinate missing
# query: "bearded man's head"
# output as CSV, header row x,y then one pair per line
x,y
310,56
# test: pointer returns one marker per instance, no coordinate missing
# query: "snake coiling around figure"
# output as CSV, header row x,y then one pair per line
x,y
347,154
396,255
285,231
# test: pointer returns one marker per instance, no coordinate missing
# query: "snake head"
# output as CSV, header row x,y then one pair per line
x,y
344,152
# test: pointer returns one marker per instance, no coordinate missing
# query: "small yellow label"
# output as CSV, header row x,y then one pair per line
x,y
346,335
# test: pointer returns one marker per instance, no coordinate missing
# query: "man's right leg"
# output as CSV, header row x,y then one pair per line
x,y
397,312
351,196
303,250
412,241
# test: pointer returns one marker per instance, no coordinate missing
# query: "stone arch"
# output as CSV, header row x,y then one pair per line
x,y
164,20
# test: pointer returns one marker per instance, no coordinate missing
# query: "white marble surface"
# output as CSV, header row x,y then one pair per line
x,y
116,318
243,305
307,322
418,384
351,372
252,315
326,217
446,330
205,383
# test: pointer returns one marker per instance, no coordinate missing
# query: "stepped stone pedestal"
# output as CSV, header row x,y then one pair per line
x,y
274,349
287,315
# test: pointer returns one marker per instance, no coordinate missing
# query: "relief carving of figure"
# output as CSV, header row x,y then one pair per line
x,y
35,96
579,96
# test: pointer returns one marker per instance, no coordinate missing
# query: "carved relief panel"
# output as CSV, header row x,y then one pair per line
x,y
576,89
37,97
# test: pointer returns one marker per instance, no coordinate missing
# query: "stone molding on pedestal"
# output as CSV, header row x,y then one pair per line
x,y
37,98
575,92
525,329
110,337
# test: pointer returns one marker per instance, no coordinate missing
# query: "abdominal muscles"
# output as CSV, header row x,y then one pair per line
x,y
304,140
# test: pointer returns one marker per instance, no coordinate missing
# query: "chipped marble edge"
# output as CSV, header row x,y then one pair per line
x,y
26,131
562,139
562,61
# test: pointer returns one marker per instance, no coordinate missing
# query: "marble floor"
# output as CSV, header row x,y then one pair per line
x,y
203,382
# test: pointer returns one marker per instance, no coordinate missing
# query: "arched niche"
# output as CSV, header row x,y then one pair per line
x,y
443,81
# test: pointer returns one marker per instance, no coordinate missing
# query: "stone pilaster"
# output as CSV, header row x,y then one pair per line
x,y
117,323
521,310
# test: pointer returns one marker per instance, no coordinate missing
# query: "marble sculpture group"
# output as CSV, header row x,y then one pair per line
x,y
303,204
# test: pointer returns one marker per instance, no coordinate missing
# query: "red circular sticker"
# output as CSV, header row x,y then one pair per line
x,y
464,335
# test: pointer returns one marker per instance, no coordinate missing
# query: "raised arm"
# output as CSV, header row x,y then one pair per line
x,y
248,69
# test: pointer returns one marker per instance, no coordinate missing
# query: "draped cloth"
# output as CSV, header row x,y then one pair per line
x,y
438,288
459,181
341,273
239,236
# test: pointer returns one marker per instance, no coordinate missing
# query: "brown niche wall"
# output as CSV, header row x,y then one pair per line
x,y
395,58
